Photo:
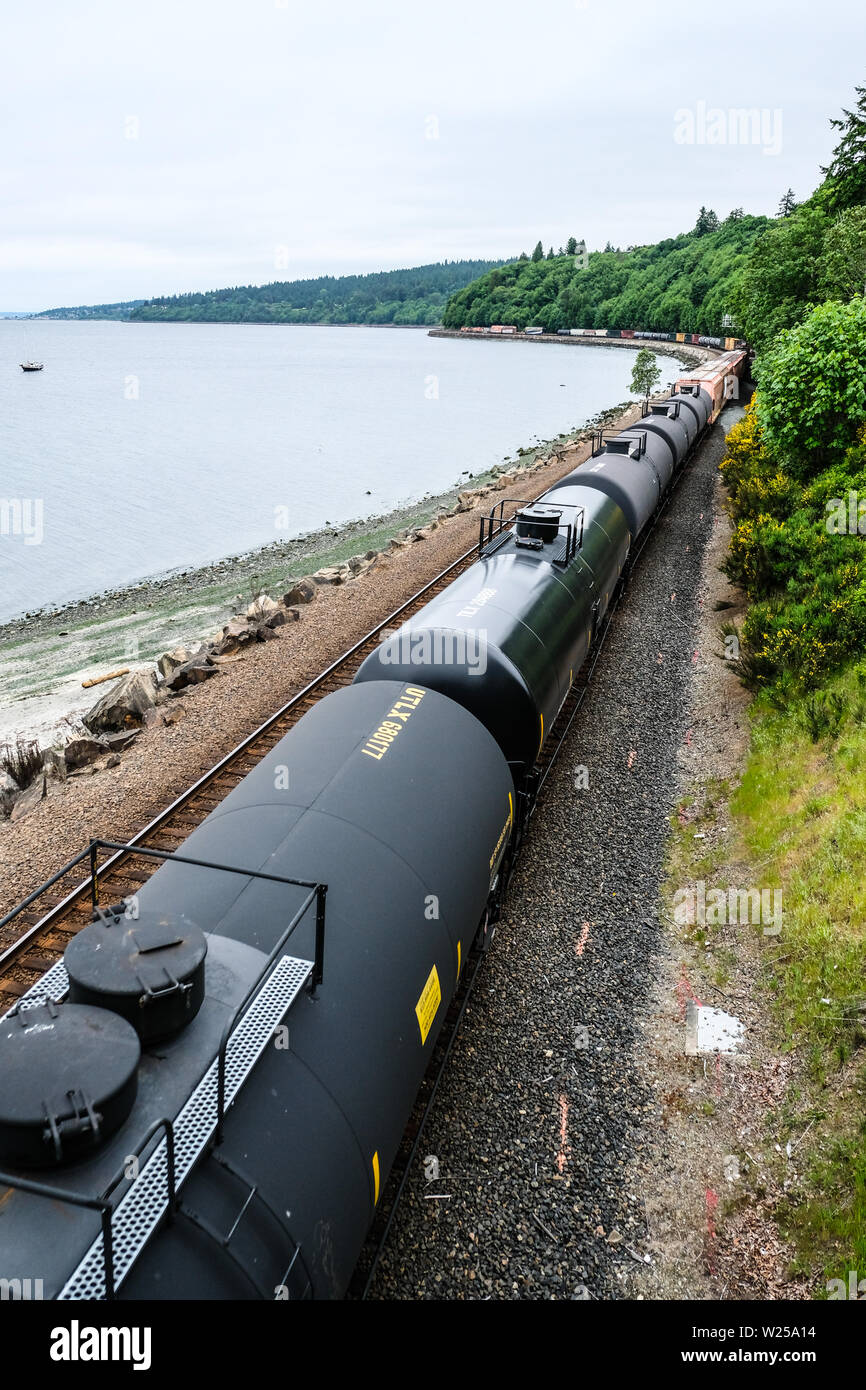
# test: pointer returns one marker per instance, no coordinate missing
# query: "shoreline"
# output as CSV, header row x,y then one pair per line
x,y
325,545
689,354
115,802
45,657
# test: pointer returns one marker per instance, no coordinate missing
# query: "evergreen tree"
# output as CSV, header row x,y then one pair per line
x,y
707,222
538,253
735,215
846,172
787,204
571,246
550,254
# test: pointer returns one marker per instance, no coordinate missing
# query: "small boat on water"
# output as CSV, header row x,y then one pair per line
x,y
32,366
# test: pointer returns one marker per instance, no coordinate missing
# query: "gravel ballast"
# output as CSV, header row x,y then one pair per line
x,y
542,1110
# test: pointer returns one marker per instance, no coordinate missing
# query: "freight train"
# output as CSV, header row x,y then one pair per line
x,y
729,343
205,1097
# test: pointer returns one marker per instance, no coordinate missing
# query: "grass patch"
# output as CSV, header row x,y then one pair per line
x,y
801,812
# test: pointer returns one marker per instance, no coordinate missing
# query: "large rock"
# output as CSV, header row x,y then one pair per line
x,y
170,661
304,591
125,705
29,800
117,742
236,635
8,785
78,752
279,619
192,673
332,574
261,608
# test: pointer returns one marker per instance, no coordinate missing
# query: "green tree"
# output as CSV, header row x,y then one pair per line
x,y
812,398
787,203
779,283
843,261
707,222
646,373
735,215
538,253
571,246
846,172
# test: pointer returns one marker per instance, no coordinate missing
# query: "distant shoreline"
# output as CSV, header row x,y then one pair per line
x,y
690,354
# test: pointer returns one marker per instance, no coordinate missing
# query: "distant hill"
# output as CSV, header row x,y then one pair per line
x,y
416,296
682,284
93,311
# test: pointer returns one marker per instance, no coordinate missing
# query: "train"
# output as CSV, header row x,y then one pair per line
x,y
728,343
205,1098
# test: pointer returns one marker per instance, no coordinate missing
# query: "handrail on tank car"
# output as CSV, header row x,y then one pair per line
x,y
601,439
492,533
496,519
318,892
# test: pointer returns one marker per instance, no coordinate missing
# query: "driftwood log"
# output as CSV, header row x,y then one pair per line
x,y
112,675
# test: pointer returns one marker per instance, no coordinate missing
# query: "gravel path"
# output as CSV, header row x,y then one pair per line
x,y
543,1112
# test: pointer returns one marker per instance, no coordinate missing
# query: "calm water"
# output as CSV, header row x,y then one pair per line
x,y
145,447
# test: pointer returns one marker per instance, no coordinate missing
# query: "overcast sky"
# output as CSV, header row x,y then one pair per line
x,y
174,145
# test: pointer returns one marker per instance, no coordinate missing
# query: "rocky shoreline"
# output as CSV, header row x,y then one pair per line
x,y
199,718
46,656
281,581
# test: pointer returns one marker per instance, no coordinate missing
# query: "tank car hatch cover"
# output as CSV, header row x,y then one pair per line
x,y
148,969
68,1080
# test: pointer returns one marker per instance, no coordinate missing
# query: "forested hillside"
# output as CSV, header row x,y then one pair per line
x,y
93,311
682,284
416,296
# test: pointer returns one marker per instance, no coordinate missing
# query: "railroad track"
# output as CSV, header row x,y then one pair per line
x,y
34,935
47,919
65,902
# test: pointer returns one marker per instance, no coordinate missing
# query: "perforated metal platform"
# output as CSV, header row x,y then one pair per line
x,y
138,1213
556,553
52,985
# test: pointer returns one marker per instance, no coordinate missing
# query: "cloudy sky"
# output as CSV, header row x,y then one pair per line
x,y
153,148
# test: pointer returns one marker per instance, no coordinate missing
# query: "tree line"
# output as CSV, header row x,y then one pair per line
x,y
416,296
